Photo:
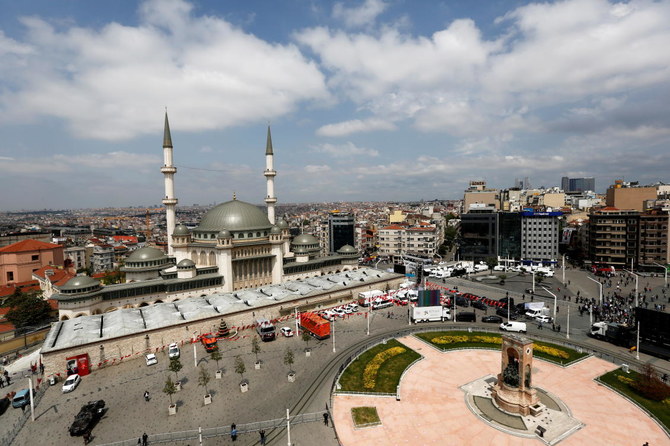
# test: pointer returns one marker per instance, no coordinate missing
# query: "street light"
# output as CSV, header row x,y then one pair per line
x,y
636,277
665,270
545,289
601,288
563,265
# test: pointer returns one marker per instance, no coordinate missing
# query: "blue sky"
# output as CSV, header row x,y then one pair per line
x,y
368,100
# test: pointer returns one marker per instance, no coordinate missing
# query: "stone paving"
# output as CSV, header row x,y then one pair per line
x,y
433,411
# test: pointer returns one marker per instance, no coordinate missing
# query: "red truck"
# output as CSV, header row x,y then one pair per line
x,y
315,325
209,342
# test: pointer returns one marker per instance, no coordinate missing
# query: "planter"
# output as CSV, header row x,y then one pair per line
x,y
208,399
172,409
219,374
177,386
257,365
244,386
291,377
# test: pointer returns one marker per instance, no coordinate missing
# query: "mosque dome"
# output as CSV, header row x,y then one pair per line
x,y
224,234
148,253
304,240
181,230
186,263
275,230
234,215
80,284
347,249
282,224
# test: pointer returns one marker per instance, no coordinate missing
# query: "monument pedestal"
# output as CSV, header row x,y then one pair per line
x,y
513,392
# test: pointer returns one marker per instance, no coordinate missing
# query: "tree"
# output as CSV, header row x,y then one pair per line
x,y
204,378
255,347
539,277
175,366
27,309
170,388
239,366
649,385
288,358
306,337
491,262
216,356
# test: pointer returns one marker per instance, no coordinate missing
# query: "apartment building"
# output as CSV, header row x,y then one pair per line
x,y
613,237
420,239
539,235
19,260
654,236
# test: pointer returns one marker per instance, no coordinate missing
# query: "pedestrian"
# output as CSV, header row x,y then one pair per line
x,y
87,437
325,418
7,377
2,383
146,396
262,434
145,439
41,368
558,329
233,432
139,441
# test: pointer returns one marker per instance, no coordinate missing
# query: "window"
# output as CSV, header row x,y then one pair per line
x,y
35,257
10,276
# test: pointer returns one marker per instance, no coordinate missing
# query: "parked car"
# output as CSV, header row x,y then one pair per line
x,y
513,315
466,316
151,359
353,307
479,305
492,319
286,331
4,404
338,312
88,415
544,319
21,399
462,301
519,327
173,350
71,383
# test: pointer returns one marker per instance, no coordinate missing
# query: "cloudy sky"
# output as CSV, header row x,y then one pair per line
x,y
367,99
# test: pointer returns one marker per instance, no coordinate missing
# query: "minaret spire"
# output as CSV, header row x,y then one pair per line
x,y
168,171
270,174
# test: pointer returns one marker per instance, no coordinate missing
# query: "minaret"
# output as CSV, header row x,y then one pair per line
x,y
168,170
270,174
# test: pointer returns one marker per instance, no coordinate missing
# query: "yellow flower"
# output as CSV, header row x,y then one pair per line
x,y
551,351
372,367
625,380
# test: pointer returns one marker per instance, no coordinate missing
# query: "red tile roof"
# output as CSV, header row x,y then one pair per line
x,y
59,276
125,238
29,245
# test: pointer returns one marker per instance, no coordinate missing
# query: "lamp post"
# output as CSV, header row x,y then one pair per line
x,y
567,332
545,289
636,282
563,265
637,348
195,354
665,270
333,325
533,273
600,295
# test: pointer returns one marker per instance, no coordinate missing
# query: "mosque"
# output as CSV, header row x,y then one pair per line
x,y
236,246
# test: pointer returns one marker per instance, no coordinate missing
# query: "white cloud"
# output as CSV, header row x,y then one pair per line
x,y
116,79
345,150
346,128
310,168
111,160
6,158
365,14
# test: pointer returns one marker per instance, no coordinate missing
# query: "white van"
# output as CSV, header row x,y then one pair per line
x,y
518,327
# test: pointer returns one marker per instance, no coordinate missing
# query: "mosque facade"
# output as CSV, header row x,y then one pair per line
x,y
236,246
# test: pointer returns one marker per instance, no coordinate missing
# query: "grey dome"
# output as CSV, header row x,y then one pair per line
x,y
347,249
186,263
305,239
234,215
282,224
275,230
180,230
80,283
224,234
145,254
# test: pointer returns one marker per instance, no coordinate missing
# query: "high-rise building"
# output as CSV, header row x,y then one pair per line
x,y
341,230
539,235
575,185
613,237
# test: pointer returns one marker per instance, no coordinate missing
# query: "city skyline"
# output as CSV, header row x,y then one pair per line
x,y
368,100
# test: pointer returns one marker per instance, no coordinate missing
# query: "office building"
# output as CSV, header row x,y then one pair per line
x,y
539,235
576,185
341,230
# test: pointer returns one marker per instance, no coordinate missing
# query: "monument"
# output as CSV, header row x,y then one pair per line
x,y
513,392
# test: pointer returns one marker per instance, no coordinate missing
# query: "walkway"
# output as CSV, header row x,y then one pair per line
x,y
432,410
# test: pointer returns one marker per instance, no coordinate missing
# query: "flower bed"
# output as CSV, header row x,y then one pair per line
x,y
449,340
378,369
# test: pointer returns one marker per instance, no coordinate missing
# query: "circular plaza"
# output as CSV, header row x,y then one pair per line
x,y
434,405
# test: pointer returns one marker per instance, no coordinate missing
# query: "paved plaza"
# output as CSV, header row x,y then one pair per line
x,y
433,410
